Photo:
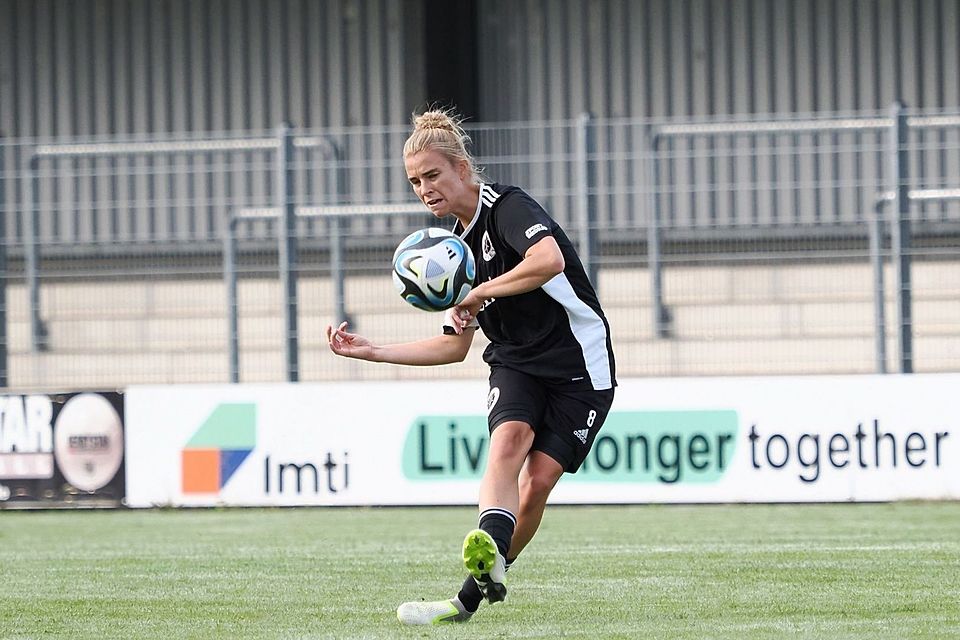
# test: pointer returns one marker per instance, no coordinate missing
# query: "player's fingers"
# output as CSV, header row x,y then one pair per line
x,y
455,321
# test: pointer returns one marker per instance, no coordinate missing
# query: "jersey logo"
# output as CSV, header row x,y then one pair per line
x,y
492,398
487,246
534,230
582,435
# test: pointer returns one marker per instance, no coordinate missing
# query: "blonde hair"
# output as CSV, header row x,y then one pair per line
x,y
440,130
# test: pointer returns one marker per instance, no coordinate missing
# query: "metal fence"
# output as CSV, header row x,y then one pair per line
x,y
719,247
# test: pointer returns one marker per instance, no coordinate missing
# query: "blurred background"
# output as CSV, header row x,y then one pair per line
x,y
190,191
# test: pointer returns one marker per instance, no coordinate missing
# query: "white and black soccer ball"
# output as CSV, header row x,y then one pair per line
x,y
433,269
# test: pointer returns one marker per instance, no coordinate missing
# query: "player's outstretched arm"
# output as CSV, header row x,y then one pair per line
x,y
443,349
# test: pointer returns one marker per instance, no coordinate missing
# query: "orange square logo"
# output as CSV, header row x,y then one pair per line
x,y
201,470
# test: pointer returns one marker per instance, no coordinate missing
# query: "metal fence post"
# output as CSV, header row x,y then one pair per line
x,y
661,317
587,215
879,294
337,254
288,248
230,283
900,235
337,272
3,271
31,250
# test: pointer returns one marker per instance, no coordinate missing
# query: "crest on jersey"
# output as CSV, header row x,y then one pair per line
x,y
492,398
487,247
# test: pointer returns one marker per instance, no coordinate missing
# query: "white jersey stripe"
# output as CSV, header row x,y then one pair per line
x,y
587,328
486,187
488,195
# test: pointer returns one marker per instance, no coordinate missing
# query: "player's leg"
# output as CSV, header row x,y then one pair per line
x,y
515,405
509,444
514,398
537,479
485,548
570,425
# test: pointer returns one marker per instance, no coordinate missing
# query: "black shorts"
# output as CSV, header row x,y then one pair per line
x,y
565,423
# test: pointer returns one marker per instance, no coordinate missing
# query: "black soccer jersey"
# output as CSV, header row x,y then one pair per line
x,y
558,332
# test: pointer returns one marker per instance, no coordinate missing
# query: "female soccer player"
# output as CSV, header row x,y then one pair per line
x,y
551,362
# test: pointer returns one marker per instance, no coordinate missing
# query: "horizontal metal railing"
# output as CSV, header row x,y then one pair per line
x,y
715,177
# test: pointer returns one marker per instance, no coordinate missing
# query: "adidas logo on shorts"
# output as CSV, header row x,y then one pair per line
x,y
582,435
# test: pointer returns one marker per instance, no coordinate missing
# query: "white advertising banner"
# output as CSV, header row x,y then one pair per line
x,y
804,439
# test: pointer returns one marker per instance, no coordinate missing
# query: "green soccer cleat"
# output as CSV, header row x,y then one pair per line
x,y
485,564
432,612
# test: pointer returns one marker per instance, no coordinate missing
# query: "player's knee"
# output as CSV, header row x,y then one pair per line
x,y
511,439
536,486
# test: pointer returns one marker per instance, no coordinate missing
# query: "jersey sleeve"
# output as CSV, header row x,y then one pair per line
x,y
521,222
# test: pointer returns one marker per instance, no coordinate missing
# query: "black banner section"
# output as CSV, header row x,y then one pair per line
x,y
61,450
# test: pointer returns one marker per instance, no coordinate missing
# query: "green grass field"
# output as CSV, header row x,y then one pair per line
x,y
828,571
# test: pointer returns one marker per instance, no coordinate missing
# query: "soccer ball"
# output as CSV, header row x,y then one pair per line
x,y
433,269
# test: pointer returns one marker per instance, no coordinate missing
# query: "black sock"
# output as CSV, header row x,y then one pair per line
x,y
470,596
499,523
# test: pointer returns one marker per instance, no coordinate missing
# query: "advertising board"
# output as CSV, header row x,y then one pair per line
x,y
63,449
806,439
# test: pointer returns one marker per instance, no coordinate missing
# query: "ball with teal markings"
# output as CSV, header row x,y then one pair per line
x,y
433,269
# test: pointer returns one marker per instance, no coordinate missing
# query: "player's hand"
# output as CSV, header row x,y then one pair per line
x,y
465,312
458,319
351,345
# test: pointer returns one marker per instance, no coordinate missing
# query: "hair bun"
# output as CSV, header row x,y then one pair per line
x,y
436,119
